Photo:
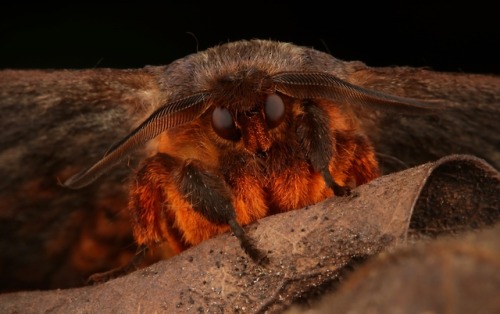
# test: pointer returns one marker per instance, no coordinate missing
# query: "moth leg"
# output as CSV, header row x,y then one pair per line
x,y
181,203
336,188
120,271
211,197
318,142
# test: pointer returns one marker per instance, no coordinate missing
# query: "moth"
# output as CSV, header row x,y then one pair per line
x,y
247,129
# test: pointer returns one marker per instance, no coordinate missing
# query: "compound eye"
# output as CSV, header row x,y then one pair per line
x,y
274,109
223,124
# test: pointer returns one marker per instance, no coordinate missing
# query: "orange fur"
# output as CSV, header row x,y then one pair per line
x,y
244,130
163,214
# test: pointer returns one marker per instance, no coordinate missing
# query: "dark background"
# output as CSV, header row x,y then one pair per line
x,y
446,37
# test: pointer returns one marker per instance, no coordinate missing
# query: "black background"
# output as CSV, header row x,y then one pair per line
x,y
442,36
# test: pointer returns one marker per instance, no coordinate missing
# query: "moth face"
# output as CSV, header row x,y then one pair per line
x,y
250,126
243,84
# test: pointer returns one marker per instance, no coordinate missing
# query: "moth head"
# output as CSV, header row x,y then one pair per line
x,y
251,125
246,105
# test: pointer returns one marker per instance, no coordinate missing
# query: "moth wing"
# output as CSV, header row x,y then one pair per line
x,y
53,122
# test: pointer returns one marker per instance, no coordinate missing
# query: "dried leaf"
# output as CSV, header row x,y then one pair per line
x,y
309,248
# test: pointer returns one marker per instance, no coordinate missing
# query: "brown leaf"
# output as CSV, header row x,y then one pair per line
x,y
309,248
451,275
